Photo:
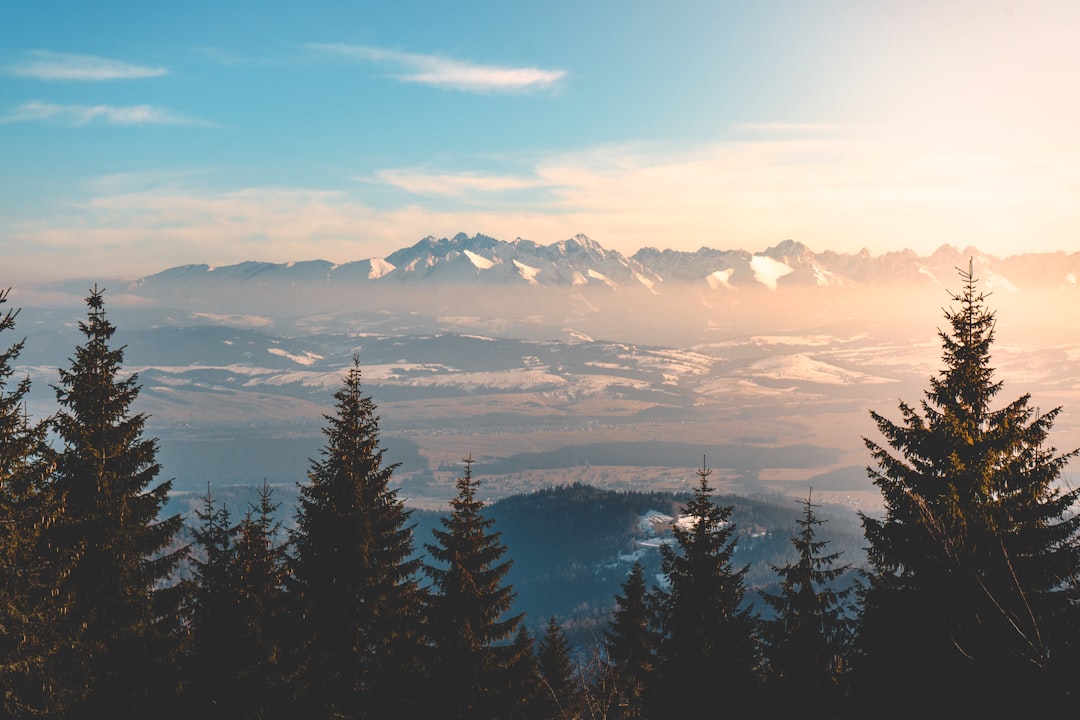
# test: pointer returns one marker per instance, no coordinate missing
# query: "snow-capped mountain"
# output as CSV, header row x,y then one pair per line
x,y
574,262
581,262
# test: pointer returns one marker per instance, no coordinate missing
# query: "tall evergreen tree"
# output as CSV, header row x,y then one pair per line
x,y
521,680
212,613
31,635
972,596
808,641
116,593
631,644
234,667
560,692
355,576
708,656
468,613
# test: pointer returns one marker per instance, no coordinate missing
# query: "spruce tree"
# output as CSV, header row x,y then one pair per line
x,y
808,641
468,610
354,573
236,623
213,616
560,693
631,643
31,631
972,597
521,680
260,571
116,593
708,655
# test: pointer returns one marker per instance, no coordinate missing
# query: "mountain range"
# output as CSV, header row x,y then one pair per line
x,y
582,262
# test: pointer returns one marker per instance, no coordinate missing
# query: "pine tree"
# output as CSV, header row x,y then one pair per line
x,y
808,641
972,597
213,615
116,593
31,635
355,575
522,684
708,653
238,608
468,622
560,692
260,572
631,644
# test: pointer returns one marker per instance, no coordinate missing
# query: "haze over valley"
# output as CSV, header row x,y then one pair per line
x,y
563,363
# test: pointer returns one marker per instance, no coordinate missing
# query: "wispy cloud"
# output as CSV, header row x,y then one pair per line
x,y
449,73
421,181
77,115
46,65
794,128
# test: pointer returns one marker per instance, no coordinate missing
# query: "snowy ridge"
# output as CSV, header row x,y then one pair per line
x,y
582,262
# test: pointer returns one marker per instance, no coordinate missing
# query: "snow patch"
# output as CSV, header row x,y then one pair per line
x,y
379,267
601,277
643,280
479,261
572,334
528,272
654,522
242,320
806,369
308,358
768,271
721,279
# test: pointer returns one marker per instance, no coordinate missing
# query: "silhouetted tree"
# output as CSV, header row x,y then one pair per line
x,y
31,631
523,689
631,644
355,576
468,613
972,596
237,611
808,642
116,593
708,655
560,692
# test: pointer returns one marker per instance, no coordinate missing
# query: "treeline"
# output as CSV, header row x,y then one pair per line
x,y
970,605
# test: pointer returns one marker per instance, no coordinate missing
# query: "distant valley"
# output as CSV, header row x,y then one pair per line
x,y
564,363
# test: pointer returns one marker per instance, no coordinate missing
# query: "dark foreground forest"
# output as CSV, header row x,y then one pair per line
x,y
969,605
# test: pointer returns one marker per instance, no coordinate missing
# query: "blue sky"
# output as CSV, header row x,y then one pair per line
x,y
137,136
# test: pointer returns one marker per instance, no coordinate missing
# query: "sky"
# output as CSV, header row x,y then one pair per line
x,y
139,136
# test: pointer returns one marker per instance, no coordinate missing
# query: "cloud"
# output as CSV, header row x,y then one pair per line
x,y
831,193
420,181
449,73
78,115
46,65
794,128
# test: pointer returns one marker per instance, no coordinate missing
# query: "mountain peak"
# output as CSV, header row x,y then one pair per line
x,y
581,261
786,249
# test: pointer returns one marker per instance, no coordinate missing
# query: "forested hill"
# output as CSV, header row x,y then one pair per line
x,y
572,546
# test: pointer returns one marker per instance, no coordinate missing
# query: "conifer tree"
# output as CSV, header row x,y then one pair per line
x,y
213,615
972,597
560,692
116,593
631,644
808,641
354,572
468,617
708,655
235,663
31,683
522,683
